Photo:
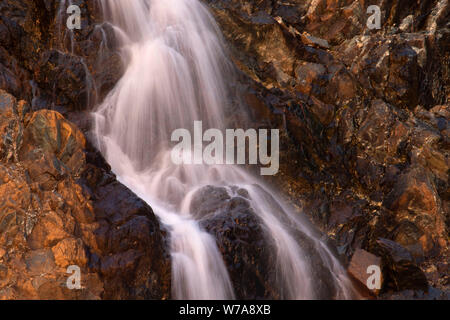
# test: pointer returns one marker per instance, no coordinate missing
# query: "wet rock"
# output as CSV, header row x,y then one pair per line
x,y
365,145
309,75
260,42
208,201
240,237
358,153
401,271
53,215
70,251
245,244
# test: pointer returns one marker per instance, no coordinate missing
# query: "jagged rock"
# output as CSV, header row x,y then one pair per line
x,y
240,237
50,133
400,268
52,67
57,209
308,39
365,133
432,294
415,195
246,247
361,269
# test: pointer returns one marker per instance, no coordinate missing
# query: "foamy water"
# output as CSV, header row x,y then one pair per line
x,y
177,73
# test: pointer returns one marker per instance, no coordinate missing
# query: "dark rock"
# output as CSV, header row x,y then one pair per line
x,y
240,238
365,147
415,194
396,251
364,136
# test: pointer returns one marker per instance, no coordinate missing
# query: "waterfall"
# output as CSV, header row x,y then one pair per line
x,y
177,72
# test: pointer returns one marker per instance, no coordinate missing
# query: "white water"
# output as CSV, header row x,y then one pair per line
x,y
176,73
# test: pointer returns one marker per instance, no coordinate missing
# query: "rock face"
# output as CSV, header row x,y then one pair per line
x,y
61,207
366,268
365,116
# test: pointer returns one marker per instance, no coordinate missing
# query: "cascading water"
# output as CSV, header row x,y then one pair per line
x,y
176,73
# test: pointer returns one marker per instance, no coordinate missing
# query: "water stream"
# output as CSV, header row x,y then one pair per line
x,y
177,72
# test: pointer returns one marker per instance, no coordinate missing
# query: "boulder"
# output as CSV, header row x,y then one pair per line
x,y
61,206
363,119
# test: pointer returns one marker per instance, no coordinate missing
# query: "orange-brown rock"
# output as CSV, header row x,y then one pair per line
x,y
363,267
364,127
53,215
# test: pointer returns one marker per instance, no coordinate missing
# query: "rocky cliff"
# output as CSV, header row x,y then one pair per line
x,y
60,203
365,145
365,115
